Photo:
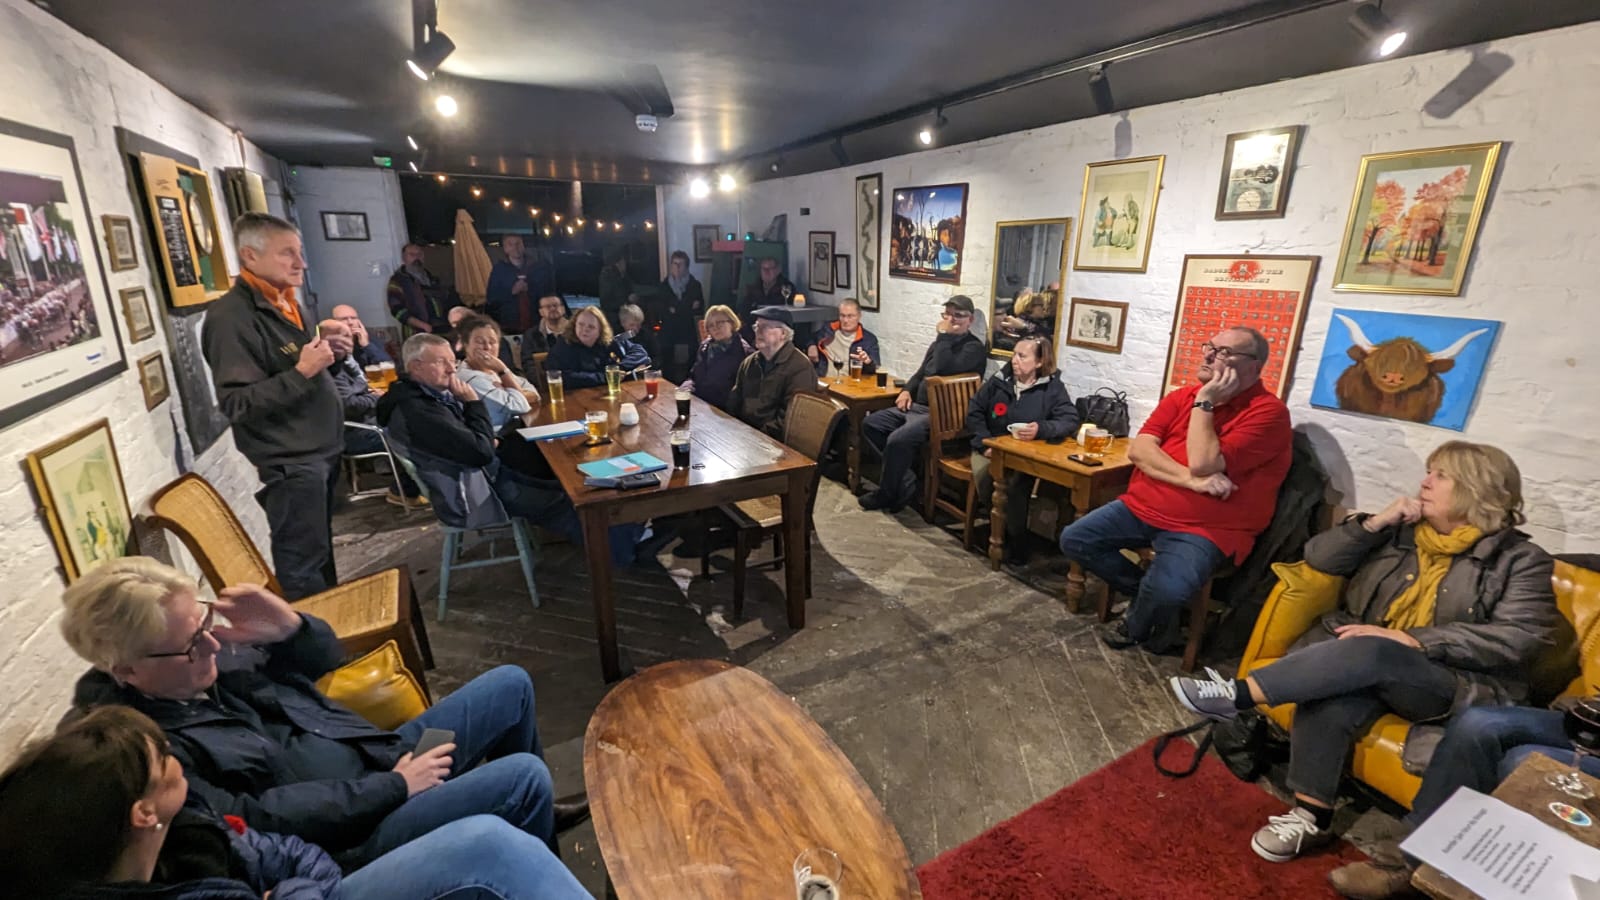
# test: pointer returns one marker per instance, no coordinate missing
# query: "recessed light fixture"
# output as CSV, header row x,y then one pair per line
x,y
699,188
446,105
412,141
435,48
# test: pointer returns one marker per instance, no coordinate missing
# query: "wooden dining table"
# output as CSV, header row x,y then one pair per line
x,y
1089,486
706,781
860,397
729,461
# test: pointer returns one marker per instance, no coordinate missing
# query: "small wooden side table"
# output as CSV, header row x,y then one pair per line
x,y
859,399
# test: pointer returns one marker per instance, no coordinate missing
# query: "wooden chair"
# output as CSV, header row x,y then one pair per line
x,y
809,428
1199,608
536,377
947,420
364,613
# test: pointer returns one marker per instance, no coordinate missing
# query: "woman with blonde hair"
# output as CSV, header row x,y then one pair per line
x,y
587,347
716,364
1445,606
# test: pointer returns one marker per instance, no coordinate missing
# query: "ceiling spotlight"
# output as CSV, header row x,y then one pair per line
x,y
726,182
1100,90
925,136
477,191
839,152
433,51
505,202
413,165
1370,21
776,165
441,177
446,105
699,188
412,141
929,132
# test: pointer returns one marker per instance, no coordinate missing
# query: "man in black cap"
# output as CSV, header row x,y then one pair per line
x,y
770,376
899,432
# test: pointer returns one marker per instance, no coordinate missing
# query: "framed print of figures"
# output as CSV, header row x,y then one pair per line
x,y
79,483
927,232
1267,293
841,271
58,331
1414,218
153,380
704,236
1030,265
1118,214
345,226
119,243
1097,324
136,312
819,271
1257,168
869,230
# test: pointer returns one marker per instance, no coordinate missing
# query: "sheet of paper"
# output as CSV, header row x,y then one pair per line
x,y
547,432
1502,853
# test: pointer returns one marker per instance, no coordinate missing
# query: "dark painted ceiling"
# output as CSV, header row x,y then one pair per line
x,y
324,82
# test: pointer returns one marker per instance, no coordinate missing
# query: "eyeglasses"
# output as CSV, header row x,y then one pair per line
x,y
1224,353
947,314
194,642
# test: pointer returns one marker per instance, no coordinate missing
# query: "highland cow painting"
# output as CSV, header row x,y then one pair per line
x,y
1424,369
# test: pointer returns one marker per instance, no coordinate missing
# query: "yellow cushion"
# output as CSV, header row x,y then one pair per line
x,y
377,686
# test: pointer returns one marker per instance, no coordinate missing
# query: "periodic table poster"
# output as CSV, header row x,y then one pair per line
x,y
1267,293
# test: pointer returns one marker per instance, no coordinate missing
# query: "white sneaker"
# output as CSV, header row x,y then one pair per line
x,y
1287,836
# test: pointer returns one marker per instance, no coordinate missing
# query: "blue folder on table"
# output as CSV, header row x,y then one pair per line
x,y
617,466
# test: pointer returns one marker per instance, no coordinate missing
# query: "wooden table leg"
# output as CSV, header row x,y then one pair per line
x,y
853,454
796,545
997,509
597,546
1075,582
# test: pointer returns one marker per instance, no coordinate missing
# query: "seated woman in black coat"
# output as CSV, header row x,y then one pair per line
x,y
717,362
1027,398
587,347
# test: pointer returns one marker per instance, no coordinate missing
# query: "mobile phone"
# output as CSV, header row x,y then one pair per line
x,y
431,738
1085,460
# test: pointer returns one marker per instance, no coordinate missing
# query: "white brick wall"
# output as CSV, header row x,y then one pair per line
x,y
61,81
1534,266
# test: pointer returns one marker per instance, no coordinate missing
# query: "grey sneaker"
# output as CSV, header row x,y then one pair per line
x,y
1212,698
1289,835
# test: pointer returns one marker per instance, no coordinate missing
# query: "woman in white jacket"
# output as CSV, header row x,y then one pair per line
x,y
504,392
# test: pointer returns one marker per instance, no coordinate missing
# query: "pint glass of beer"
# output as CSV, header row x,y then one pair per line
x,y
390,376
599,424
680,448
855,369
374,375
613,381
558,392
1097,442
682,396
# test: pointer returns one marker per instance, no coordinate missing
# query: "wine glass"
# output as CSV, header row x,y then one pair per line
x,y
1581,722
838,369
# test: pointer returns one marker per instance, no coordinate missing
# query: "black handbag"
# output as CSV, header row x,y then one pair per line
x,y
1241,744
1106,408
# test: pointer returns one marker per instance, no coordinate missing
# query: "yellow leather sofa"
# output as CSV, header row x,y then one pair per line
x,y
1304,594
378,686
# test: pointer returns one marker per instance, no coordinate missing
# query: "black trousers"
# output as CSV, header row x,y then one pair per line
x,y
1341,687
298,501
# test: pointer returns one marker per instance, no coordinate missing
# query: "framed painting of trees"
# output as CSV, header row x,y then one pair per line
x,y
1414,218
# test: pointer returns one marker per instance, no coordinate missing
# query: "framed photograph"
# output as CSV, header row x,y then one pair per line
x,y
841,271
153,379
1414,218
927,232
79,484
819,272
1118,214
120,245
1442,359
1257,168
58,330
136,312
869,238
1097,324
345,226
1030,265
1267,293
704,237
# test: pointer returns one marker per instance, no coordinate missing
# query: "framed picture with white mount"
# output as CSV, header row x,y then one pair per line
x,y
820,270
1257,169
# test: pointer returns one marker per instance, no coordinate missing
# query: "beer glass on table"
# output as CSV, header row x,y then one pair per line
x,y
390,376
374,375
598,422
680,448
1581,722
855,369
682,396
1097,442
652,383
558,392
613,381
817,873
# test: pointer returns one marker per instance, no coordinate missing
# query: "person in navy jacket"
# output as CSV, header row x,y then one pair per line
x,y
836,343
587,347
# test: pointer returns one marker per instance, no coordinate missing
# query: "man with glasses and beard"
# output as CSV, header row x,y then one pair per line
x,y
1208,464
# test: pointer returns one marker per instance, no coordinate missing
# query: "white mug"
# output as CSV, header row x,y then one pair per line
x,y
628,414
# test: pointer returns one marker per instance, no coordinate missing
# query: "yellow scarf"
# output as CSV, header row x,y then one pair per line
x,y
1435,551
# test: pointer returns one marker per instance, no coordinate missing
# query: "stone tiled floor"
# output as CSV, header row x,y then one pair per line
x,y
961,695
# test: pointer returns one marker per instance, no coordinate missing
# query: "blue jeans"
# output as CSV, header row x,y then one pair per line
x,y
476,857
1181,566
1483,745
493,719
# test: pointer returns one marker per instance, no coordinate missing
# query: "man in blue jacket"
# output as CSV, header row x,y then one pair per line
x,y
836,343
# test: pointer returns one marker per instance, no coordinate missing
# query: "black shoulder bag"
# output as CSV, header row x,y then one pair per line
x,y
1107,408
1240,743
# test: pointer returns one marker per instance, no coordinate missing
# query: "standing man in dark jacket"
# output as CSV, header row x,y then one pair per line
x,y
684,304
774,289
417,299
272,382
615,288
900,432
771,375
515,285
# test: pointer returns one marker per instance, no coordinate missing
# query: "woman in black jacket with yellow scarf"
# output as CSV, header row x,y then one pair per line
x,y
1027,398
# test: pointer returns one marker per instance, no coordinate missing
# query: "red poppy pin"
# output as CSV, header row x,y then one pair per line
x,y
999,410
236,823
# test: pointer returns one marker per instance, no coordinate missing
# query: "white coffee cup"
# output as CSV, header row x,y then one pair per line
x,y
1015,427
628,414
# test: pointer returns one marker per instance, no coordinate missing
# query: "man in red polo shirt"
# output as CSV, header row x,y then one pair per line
x,y
1209,462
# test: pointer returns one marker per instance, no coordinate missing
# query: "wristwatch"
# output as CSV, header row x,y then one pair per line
x,y
1203,404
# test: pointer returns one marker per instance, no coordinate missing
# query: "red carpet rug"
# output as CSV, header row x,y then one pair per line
x,y
1129,831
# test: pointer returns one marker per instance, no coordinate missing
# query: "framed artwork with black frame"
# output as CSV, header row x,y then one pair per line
x,y
704,237
927,233
869,238
841,271
345,226
1097,324
819,272
1257,168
